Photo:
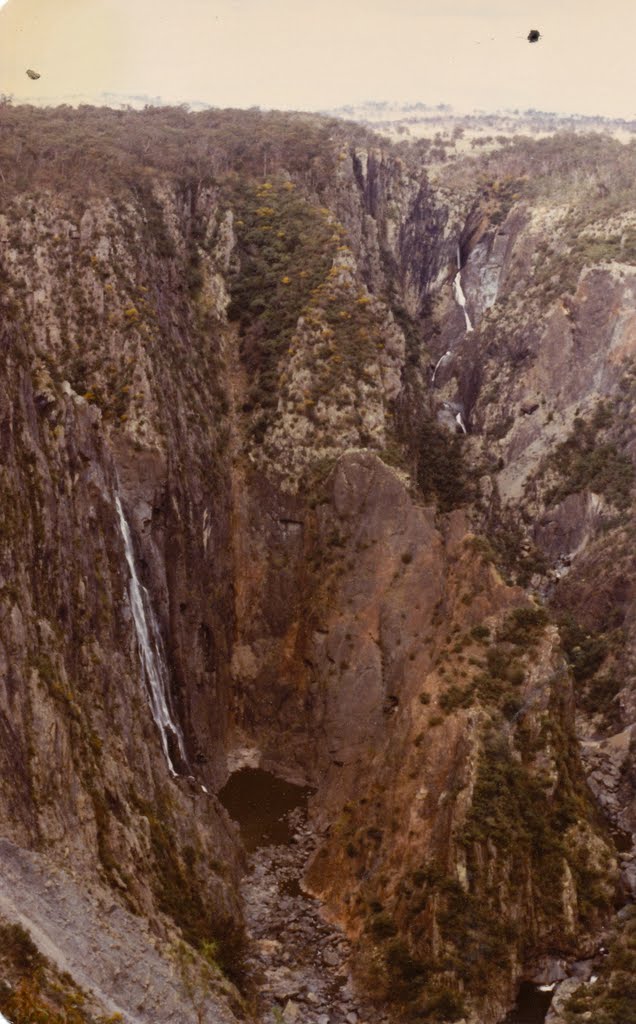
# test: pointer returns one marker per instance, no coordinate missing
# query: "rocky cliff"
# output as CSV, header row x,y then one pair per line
x,y
317,458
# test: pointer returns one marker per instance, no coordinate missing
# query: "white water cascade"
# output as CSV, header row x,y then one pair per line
x,y
151,652
458,292
440,361
460,422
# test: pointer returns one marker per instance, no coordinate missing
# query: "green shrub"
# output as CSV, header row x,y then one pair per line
x,y
481,942
598,695
510,809
457,697
17,946
588,653
480,633
383,927
445,1005
584,462
612,1000
442,473
585,651
406,972
523,626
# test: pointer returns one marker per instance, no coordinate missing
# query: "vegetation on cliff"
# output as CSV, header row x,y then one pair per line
x,y
33,991
208,312
612,997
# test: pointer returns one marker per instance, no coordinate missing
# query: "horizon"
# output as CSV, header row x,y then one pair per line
x,y
139,101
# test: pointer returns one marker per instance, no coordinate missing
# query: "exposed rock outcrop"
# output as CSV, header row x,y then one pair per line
x,y
246,359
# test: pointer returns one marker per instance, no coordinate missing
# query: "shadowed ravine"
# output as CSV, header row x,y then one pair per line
x,y
531,1007
300,963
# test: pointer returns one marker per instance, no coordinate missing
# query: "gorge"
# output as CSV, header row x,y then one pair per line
x,y
317,461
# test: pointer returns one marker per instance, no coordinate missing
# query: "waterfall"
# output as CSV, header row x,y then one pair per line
x,y
439,362
460,299
151,652
458,291
460,423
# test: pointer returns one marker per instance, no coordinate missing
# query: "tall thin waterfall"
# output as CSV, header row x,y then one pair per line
x,y
458,291
151,652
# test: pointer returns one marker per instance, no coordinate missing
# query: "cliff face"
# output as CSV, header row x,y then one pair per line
x,y
553,412
228,324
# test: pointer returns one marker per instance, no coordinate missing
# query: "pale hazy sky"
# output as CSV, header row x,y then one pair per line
x,y
298,55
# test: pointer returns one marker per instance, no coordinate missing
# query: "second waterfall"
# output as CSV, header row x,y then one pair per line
x,y
458,292
152,655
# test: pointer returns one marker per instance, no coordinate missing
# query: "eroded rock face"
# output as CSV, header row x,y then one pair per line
x,y
411,742
80,734
318,614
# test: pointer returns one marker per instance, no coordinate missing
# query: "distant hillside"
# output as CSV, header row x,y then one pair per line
x,y
103,99
479,128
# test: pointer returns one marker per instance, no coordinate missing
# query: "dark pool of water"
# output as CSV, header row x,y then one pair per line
x,y
261,804
623,841
531,1007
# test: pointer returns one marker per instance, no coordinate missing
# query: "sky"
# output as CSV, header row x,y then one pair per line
x,y
293,54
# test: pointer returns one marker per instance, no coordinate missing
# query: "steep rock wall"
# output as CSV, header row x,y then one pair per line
x,y
246,365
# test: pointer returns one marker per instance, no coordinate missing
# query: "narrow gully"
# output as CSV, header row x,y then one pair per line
x,y
533,1003
299,962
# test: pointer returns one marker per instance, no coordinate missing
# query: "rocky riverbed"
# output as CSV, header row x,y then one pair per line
x,y
301,962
